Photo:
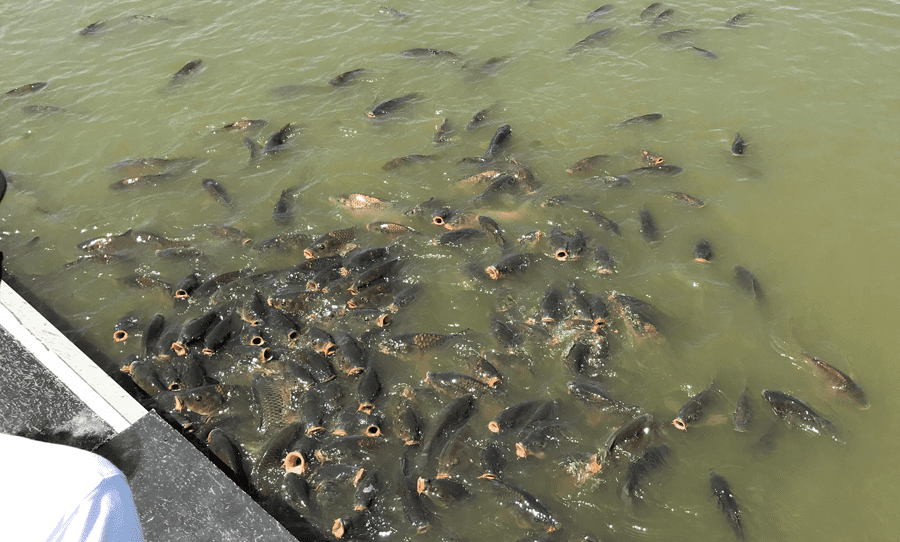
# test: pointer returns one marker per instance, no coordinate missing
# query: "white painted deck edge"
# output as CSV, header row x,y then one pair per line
x,y
77,371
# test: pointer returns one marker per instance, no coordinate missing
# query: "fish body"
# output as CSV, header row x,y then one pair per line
x,y
650,10
587,165
631,432
599,12
687,199
478,119
694,409
141,180
345,77
703,251
722,492
331,243
499,141
30,88
284,207
278,140
188,70
737,20
453,417
747,281
216,191
642,119
651,158
509,265
637,313
426,52
662,169
244,125
407,160
671,35
797,413
652,460
743,412
597,38
525,505
382,109
649,229
840,381
738,146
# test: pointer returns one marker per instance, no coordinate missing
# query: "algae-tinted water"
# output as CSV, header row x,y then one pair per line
x,y
809,207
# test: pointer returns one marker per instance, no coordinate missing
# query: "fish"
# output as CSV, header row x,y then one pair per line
x,y
30,88
525,505
599,12
447,422
3,184
687,199
427,52
499,141
737,20
663,169
552,306
144,281
840,381
593,393
478,119
630,432
273,397
663,16
651,158
229,233
244,125
125,324
587,165
369,390
406,160
141,180
743,412
649,229
386,107
603,222
702,52
278,140
204,400
502,184
652,460
722,492
650,10
597,38
456,238
408,424
42,109
109,243
94,28
676,34
524,177
443,132
797,413
216,191
187,71
346,77
357,201
456,384
642,119
392,11
413,507
284,207
747,281
703,251
444,490
694,409
490,226
368,487
331,243
509,265
738,146
492,461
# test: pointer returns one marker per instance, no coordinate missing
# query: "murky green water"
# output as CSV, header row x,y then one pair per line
x,y
810,208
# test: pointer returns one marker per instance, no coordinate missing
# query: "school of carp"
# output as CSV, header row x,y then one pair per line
x,y
319,389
